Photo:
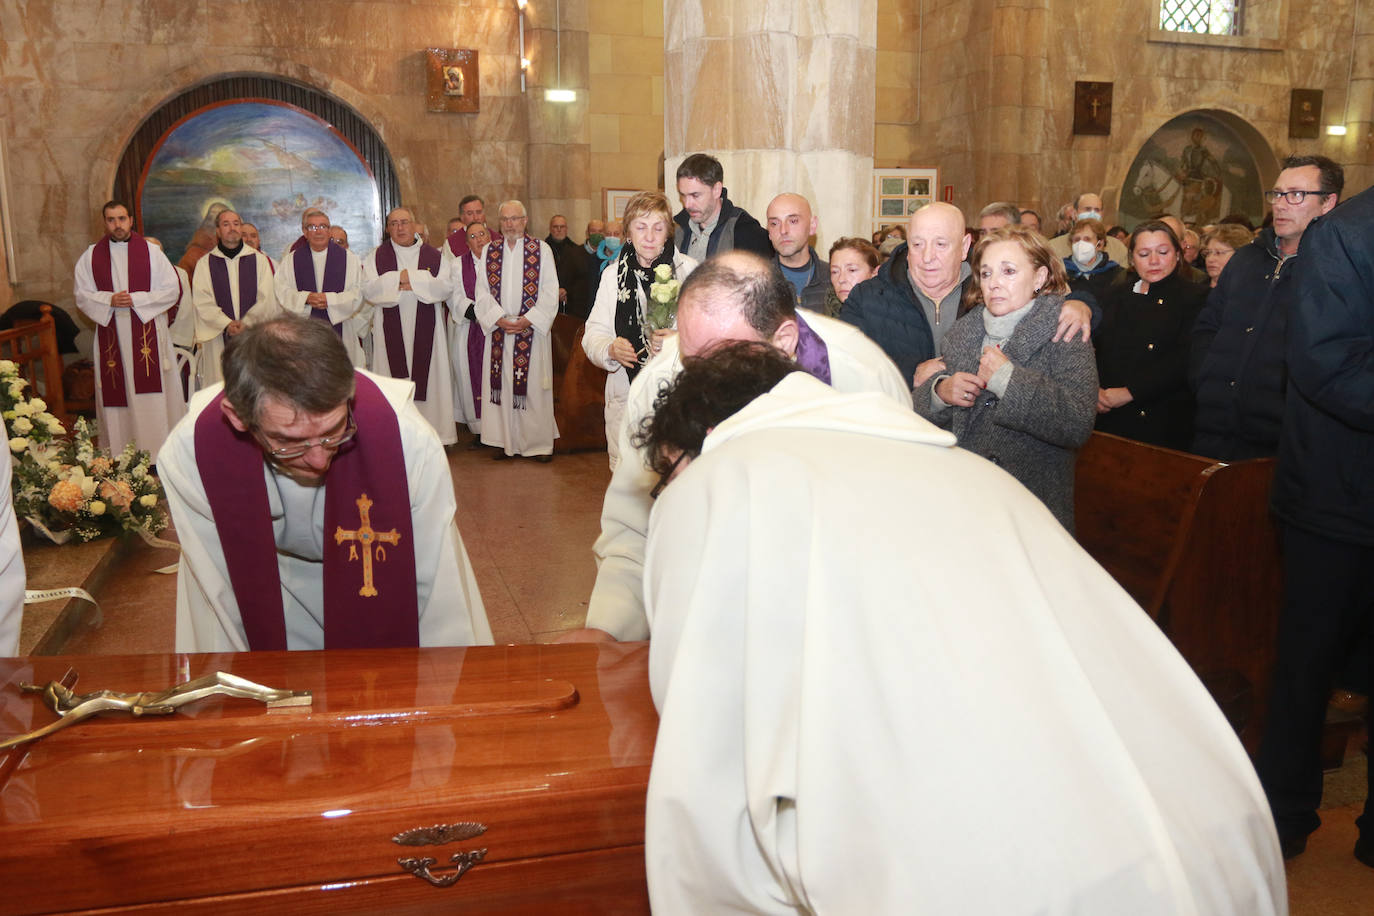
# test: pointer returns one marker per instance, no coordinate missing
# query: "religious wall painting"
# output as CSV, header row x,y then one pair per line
x,y
1196,168
267,161
451,80
1092,109
1304,114
898,193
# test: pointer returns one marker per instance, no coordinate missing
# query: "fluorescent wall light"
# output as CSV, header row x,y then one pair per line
x,y
560,95
1335,130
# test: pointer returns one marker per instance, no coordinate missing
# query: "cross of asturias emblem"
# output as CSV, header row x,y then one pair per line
x,y
365,536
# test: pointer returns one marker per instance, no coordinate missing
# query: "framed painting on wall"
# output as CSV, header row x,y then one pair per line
x,y
614,201
451,80
898,193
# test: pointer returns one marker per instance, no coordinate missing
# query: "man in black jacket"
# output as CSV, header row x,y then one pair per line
x,y
790,227
1238,368
708,221
571,264
1323,496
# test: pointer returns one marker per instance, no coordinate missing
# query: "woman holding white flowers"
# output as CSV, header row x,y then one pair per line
x,y
636,304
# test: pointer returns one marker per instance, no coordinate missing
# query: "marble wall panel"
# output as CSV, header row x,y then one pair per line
x,y
652,20
617,17
605,132
856,19
761,109
614,93
599,54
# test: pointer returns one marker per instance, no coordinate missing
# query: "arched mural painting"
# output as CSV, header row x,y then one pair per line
x,y
264,146
1197,168
267,161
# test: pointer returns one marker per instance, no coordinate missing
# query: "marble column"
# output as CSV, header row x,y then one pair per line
x,y
1357,146
1010,133
782,93
559,151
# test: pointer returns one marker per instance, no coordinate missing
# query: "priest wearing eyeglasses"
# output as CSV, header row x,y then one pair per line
x,y
314,506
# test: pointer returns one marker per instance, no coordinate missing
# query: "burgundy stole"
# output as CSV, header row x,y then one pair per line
x,y
477,341
524,341
248,285
418,372
147,368
335,273
366,481
812,354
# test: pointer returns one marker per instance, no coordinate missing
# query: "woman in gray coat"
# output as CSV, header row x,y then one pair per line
x,y
1009,391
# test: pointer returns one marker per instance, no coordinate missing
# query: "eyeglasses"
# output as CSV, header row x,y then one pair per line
x,y
328,443
1216,252
1294,197
666,476
317,227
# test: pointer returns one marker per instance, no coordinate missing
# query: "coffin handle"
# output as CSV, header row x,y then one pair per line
x,y
420,867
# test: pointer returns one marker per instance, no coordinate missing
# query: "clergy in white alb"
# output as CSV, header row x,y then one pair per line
x,y
127,287
716,304
404,280
319,279
890,682
232,289
11,557
181,327
321,516
467,342
517,301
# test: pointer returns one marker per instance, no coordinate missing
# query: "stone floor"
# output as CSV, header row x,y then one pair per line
x,y
529,527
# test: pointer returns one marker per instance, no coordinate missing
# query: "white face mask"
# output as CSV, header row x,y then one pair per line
x,y
1084,252
1089,214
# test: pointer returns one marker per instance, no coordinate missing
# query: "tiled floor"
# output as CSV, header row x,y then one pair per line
x,y
529,528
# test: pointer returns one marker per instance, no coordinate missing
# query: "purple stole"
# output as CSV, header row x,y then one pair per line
x,y
248,285
368,528
147,368
813,356
524,341
392,337
477,341
335,273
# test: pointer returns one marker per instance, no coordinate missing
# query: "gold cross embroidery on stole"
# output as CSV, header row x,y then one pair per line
x,y
366,536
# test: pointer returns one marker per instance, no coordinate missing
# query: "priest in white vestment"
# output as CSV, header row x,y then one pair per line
x,y
306,490
467,342
319,279
404,280
712,307
890,682
127,288
11,558
232,289
517,301
181,327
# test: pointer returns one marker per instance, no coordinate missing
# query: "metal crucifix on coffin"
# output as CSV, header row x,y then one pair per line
x,y
365,536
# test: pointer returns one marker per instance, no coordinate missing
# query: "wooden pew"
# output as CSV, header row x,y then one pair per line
x,y
33,346
1191,539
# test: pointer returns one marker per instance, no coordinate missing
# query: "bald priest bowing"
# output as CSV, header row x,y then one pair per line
x,y
731,296
516,307
321,280
127,287
335,501
232,288
404,279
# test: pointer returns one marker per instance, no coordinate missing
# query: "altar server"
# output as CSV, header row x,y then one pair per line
x,y
863,712
314,506
404,280
127,287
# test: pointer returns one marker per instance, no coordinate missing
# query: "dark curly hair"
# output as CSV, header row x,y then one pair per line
x,y
710,389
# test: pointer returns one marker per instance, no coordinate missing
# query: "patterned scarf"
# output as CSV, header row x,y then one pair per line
x,y
524,341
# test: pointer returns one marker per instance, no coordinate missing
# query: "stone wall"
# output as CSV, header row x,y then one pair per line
x,y
79,76
984,90
626,115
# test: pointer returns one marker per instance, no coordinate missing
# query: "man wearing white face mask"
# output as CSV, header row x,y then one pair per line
x,y
1088,206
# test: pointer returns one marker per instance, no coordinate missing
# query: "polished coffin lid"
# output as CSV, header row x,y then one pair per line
x,y
547,747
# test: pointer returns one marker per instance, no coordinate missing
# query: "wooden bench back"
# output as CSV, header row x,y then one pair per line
x,y
33,347
1191,539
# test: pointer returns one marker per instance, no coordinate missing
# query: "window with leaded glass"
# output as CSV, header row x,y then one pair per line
x,y
1202,17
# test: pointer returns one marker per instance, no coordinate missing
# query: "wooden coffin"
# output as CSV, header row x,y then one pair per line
x,y
535,757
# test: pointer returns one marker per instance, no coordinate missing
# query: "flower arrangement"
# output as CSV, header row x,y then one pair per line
x,y
64,485
661,310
